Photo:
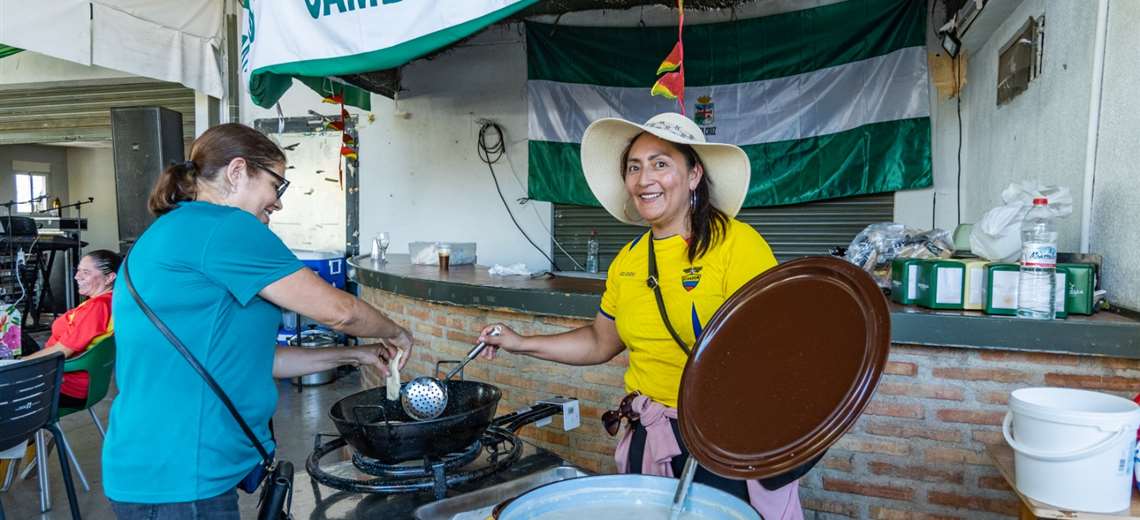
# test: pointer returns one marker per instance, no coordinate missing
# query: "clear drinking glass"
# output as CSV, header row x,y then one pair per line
x,y
384,239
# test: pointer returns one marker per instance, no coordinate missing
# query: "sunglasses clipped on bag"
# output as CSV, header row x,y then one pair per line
x,y
612,418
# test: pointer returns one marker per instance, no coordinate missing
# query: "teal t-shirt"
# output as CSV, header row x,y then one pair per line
x,y
200,268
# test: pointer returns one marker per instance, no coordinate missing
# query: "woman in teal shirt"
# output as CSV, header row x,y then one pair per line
x,y
213,271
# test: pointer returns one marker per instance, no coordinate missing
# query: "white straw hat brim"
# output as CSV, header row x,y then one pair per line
x,y
726,165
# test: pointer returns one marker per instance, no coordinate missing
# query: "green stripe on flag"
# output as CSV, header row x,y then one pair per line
x,y
267,93
874,158
730,52
556,174
353,96
6,50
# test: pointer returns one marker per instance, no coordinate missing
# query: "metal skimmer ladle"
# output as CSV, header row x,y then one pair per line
x,y
425,397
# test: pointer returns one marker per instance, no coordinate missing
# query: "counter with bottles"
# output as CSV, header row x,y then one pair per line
x,y
1105,333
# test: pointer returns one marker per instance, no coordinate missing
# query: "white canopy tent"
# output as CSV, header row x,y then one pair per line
x,y
176,41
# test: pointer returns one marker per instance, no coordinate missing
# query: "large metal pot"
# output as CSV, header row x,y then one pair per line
x,y
624,496
316,338
379,428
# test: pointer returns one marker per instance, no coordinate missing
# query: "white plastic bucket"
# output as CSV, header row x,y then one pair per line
x,y
1073,448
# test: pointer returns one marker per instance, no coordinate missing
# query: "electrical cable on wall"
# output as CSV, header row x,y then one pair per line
x,y
24,262
490,153
958,91
523,201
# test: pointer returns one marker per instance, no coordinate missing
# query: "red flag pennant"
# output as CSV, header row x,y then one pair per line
x,y
335,99
670,86
672,61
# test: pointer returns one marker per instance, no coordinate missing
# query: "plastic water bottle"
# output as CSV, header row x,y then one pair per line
x,y
1036,290
592,253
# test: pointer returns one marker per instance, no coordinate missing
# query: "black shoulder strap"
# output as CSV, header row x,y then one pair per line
x,y
654,284
158,323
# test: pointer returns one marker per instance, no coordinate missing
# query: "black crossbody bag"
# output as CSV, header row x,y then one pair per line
x,y
277,494
771,483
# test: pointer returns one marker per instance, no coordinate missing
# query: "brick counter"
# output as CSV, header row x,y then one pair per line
x,y
916,453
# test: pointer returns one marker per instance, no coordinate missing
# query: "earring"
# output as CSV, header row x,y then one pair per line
x,y
692,201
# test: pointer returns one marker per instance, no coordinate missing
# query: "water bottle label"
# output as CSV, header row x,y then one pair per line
x,y
1039,254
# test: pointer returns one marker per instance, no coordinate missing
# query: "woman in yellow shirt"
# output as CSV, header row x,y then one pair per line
x,y
663,175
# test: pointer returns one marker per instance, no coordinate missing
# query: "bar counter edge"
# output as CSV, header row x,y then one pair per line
x,y
1103,334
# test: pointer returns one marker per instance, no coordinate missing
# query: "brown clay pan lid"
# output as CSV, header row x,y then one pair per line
x,y
784,368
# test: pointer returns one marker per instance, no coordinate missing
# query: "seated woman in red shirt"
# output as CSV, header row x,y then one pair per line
x,y
77,329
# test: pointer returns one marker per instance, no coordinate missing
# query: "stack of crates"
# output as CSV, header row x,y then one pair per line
x,y
991,287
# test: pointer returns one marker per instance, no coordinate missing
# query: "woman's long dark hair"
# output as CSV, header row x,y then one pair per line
x,y
210,154
707,223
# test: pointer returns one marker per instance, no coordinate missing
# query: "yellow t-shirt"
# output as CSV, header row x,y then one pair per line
x,y
692,293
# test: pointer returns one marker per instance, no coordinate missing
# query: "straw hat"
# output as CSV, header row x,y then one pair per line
x,y
605,139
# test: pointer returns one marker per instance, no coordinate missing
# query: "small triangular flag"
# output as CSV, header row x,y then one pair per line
x,y
671,86
673,61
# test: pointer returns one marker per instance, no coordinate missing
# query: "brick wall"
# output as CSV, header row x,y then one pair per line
x,y
449,332
916,453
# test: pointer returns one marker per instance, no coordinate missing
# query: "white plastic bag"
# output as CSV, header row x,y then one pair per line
x,y
997,237
508,270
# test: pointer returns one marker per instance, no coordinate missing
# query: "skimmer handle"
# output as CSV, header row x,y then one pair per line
x,y
472,355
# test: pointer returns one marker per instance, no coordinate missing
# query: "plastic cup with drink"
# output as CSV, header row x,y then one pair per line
x,y
444,251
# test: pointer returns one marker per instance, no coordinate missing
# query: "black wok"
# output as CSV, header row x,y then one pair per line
x,y
378,428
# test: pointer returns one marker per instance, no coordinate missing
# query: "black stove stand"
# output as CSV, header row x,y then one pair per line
x,y
346,485
502,448
315,501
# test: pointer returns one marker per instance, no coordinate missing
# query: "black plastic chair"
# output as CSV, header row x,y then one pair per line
x,y
29,403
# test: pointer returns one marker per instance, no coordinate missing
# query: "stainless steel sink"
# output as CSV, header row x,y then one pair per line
x,y
477,505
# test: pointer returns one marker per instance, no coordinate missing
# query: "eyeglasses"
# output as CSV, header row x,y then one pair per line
x,y
612,418
280,187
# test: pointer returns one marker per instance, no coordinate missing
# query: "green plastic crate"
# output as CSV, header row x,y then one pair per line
x,y
1001,299
941,284
904,280
1079,287
1001,289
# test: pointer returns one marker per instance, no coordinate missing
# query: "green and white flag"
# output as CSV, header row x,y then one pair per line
x,y
827,102
323,38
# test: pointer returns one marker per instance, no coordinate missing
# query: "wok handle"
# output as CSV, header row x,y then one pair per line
x,y
439,370
514,421
356,413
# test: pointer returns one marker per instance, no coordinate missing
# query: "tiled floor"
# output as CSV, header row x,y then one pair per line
x,y
300,415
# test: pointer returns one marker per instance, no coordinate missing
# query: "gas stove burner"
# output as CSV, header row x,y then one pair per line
x,y
500,446
419,468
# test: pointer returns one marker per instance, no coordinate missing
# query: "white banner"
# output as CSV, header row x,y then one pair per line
x,y
300,31
843,97
169,40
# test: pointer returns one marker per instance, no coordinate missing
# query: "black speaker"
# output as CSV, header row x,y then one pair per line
x,y
145,140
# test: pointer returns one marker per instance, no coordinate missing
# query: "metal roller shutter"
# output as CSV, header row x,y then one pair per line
x,y
792,231
65,114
